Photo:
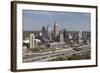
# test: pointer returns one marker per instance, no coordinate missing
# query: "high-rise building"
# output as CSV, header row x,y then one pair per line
x,y
49,32
70,36
56,30
80,36
32,40
44,34
61,36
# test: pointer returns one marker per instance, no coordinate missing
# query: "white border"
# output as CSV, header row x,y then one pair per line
x,y
34,65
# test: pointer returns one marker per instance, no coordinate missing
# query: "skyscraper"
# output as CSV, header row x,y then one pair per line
x,y
49,32
32,40
61,36
80,36
56,30
44,34
70,36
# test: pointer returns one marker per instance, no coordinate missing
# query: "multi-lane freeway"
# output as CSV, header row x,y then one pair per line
x,y
45,56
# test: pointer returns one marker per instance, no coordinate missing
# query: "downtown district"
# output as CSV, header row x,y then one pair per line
x,y
55,44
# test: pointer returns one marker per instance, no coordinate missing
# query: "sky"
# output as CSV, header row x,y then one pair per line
x,y
33,20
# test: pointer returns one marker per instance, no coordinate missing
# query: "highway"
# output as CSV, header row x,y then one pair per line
x,y
48,56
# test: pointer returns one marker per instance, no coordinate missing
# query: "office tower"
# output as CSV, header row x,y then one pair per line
x,y
44,34
32,40
64,31
49,33
56,30
80,36
61,36
70,36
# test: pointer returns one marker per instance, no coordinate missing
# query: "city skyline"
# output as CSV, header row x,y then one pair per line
x,y
71,21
